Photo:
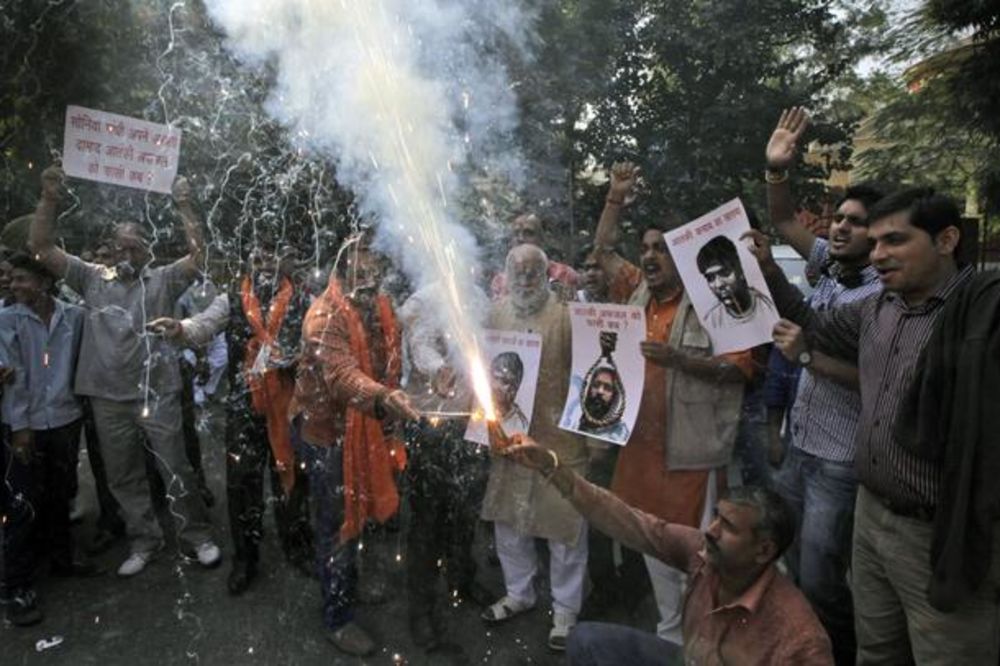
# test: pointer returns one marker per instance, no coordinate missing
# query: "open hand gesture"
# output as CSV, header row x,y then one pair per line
x,y
783,146
624,176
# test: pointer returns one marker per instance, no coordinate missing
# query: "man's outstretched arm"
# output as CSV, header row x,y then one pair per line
x,y
780,155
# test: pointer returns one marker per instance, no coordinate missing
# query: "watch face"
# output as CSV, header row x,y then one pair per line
x,y
805,358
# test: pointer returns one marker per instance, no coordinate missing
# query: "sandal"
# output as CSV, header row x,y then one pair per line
x,y
504,610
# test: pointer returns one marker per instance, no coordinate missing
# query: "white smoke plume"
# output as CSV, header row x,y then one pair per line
x,y
402,95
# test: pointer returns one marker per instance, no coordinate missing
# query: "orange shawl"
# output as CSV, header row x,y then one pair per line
x,y
271,391
371,460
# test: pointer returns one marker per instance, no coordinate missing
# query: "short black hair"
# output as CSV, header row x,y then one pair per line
x,y
25,262
511,362
718,251
867,193
928,210
776,522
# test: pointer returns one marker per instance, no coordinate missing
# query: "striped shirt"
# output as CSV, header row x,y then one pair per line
x,y
824,416
885,336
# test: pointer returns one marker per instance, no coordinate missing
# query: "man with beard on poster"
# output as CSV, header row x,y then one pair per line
x,y
521,505
719,263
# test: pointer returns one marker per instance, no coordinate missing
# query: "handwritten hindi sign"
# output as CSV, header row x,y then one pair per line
x,y
109,148
514,359
723,280
608,373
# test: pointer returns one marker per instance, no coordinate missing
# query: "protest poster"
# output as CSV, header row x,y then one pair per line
x,y
723,280
608,371
109,148
513,359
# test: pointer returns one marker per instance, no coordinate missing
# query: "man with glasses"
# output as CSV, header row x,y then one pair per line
x,y
817,478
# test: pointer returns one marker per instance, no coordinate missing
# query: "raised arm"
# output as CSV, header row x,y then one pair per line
x,y
834,331
42,235
790,340
620,194
192,226
781,152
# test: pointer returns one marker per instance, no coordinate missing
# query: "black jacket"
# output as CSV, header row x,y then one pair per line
x,y
951,415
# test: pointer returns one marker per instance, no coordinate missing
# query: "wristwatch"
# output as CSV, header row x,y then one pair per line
x,y
805,358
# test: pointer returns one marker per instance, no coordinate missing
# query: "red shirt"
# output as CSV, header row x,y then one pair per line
x,y
770,624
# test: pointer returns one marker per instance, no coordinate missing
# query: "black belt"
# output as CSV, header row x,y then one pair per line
x,y
906,510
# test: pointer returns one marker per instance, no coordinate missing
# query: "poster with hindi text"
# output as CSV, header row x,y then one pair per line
x,y
608,371
109,148
512,360
723,280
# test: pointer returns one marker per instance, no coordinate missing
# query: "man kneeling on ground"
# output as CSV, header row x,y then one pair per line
x,y
739,609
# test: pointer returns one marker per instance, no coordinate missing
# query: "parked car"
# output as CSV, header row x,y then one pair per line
x,y
793,266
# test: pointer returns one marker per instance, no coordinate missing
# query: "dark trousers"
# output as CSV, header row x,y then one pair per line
x,y
335,560
446,479
601,644
39,493
110,518
248,459
821,494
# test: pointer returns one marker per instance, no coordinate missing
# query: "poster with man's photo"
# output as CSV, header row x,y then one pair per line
x,y
605,387
512,359
723,280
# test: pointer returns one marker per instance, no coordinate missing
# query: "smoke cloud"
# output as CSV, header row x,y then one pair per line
x,y
404,96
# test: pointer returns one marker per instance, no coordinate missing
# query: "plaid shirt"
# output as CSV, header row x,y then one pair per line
x,y
824,416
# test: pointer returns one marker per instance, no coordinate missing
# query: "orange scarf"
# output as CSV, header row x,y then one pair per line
x,y
270,391
371,460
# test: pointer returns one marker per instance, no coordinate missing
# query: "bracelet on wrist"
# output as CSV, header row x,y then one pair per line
x,y
775,176
555,464
613,201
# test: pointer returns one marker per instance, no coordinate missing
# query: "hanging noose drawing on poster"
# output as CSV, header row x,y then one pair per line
x,y
608,371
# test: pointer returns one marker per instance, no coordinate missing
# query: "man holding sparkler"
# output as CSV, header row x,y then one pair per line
x,y
346,387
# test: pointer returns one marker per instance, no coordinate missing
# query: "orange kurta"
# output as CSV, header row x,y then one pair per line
x,y
642,477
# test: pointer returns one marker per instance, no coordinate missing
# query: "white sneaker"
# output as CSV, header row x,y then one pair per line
x,y
135,563
562,624
208,554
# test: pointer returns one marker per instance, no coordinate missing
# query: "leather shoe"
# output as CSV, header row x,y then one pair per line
x,y
476,593
351,639
239,578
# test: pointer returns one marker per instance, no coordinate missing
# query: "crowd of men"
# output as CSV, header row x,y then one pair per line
x,y
825,499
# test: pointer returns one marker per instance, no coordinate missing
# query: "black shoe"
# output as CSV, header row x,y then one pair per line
x,y
22,608
422,631
243,572
475,593
102,541
76,569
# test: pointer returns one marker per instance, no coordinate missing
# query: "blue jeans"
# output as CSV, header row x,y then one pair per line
x,y
821,493
335,561
602,644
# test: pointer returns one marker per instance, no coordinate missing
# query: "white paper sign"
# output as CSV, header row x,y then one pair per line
x,y
119,150
723,280
513,360
605,387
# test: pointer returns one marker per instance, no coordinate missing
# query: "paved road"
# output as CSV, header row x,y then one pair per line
x,y
176,612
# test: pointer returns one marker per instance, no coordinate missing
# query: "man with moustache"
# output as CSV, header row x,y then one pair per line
x,y
817,477
915,235
719,263
529,229
346,394
133,382
739,608
519,503
674,464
